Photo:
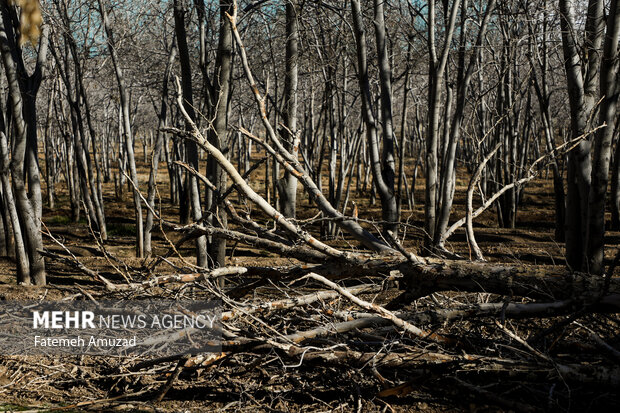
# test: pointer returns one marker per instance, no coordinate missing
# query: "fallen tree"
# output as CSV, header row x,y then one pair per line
x,y
455,323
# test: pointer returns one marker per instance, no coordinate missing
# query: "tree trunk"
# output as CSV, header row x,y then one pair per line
x,y
389,208
218,135
21,258
191,150
23,89
464,76
582,101
541,87
603,141
156,154
127,135
436,72
382,167
288,192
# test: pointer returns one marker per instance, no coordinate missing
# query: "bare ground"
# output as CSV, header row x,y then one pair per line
x,y
268,380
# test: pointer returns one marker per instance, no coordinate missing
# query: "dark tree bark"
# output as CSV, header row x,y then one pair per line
x,y
23,90
615,191
191,150
603,141
218,134
582,95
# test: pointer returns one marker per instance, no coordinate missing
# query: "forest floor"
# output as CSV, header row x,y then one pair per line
x,y
264,382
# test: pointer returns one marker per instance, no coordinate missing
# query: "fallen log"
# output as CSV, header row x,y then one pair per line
x,y
539,282
359,320
477,364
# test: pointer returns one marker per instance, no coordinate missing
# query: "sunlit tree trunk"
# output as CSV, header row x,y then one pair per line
x,y
383,166
156,154
127,135
436,72
288,190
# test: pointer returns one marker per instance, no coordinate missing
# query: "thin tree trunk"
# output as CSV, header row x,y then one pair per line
x,y
383,178
288,193
615,191
50,166
21,258
156,154
437,67
389,207
542,92
127,135
218,135
191,150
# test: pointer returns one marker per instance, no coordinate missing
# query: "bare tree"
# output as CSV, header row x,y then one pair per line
x,y
218,133
126,130
78,104
540,55
191,151
436,73
587,181
465,71
383,168
156,153
23,88
609,89
288,185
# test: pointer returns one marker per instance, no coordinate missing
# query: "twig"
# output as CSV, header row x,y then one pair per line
x,y
523,342
173,376
399,322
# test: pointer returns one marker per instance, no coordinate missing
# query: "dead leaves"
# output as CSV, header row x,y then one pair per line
x,y
30,20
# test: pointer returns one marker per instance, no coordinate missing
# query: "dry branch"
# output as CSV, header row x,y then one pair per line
x,y
291,163
283,249
388,315
247,190
296,302
532,173
471,238
474,364
538,282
